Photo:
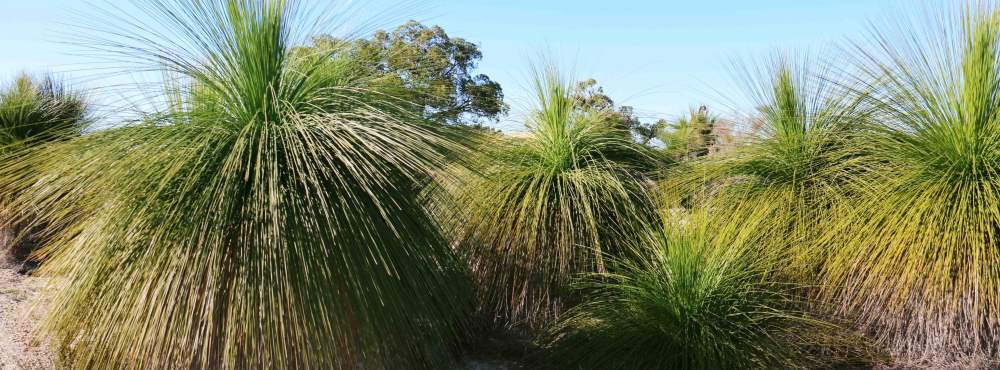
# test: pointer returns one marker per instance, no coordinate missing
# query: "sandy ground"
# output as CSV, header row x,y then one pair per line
x,y
19,313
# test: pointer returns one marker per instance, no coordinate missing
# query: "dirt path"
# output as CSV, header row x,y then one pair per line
x,y
18,317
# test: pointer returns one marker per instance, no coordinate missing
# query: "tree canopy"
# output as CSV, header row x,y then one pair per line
x,y
432,71
589,96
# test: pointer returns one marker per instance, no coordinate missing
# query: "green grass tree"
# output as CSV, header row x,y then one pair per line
x,y
38,110
790,172
34,111
538,209
689,137
691,297
268,218
917,255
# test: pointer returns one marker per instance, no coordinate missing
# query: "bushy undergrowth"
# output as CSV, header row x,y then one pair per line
x,y
689,299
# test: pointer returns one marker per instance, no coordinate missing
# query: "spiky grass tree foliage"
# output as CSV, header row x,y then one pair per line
x,y
692,299
537,210
791,170
689,137
39,110
33,112
917,257
268,219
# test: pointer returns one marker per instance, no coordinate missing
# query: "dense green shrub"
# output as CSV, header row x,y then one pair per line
x,y
790,172
268,218
690,300
917,254
34,112
43,109
536,210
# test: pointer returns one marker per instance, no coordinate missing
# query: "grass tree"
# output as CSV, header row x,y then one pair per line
x,y
918,254
792,168
536,210
696,297
34,111
268,218
40,109
689,137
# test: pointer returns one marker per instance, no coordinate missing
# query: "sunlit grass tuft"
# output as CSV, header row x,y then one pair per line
x,y
268,218
916,257
538,209
40,109
33,112
690,299
792,170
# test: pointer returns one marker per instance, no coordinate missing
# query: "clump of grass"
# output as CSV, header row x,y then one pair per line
x,y
791,171
35,111
42,109
536,210
916,256
269,217
689,299
689,137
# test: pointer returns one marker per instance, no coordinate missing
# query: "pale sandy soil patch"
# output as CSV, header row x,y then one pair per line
x,y
20,309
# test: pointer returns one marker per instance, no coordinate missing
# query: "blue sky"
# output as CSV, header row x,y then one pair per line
x,y
659,56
